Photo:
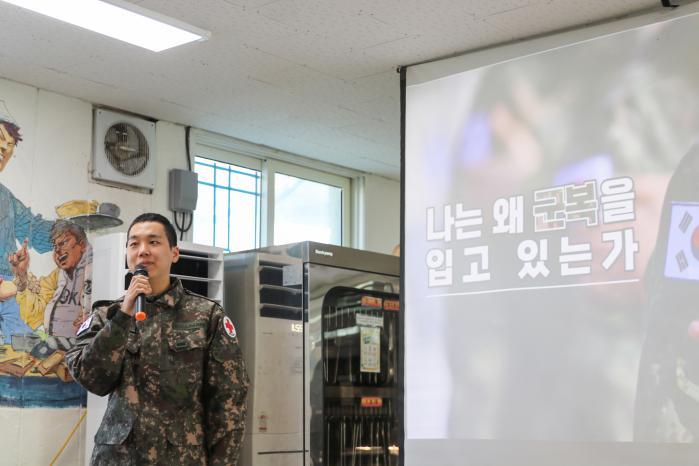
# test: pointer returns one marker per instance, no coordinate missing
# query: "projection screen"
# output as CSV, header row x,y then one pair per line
x,y
551,251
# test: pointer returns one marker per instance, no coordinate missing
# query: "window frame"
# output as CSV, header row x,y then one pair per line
x,y
270,162
272,167
225,186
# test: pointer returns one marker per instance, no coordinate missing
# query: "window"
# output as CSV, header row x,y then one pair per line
x,y
228,205
250,201
306,210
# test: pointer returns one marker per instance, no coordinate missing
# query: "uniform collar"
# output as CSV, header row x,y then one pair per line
x,y
170,297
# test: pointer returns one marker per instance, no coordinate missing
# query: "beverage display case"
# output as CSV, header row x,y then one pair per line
x,y
359,386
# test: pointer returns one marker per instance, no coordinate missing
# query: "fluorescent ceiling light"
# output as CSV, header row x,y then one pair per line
x,y
120,20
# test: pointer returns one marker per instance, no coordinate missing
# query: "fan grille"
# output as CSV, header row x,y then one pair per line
x,y
126,149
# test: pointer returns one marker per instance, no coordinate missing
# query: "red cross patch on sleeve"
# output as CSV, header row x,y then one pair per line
x,y
228,327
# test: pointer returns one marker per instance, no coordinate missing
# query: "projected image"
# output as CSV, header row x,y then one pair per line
x,y
667,398
544,241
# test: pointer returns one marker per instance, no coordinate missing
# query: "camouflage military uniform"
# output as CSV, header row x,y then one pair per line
x,y
177,382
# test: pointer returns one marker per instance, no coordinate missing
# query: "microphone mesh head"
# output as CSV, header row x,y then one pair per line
x,y
141,270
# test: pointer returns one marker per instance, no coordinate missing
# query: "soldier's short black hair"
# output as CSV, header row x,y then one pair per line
x,y
64,226
153,217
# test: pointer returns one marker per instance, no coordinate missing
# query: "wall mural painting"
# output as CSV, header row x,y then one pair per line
x,y
40,311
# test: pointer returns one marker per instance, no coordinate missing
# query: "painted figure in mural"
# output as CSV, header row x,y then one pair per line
x,y
59,302
176,380
17,223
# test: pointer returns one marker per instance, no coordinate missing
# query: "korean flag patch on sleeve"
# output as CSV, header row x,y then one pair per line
x,y
85,325
228,327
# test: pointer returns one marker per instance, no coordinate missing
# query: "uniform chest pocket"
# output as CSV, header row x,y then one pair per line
x,y
187,339
182,375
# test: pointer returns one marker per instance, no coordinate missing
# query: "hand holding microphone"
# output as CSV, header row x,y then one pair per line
x,y
135,298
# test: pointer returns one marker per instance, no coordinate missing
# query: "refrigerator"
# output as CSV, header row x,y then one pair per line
x,y
318,325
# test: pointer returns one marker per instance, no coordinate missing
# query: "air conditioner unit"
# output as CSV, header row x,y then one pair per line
x,y
123,150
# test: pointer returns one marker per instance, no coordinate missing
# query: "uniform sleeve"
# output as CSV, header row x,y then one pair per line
x,y
33,227
32,302
225,392
96,360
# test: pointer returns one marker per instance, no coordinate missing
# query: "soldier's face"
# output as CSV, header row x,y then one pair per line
x,y
148,245
7,147
67,251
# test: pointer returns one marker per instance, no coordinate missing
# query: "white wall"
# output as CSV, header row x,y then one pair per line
x,y
381,214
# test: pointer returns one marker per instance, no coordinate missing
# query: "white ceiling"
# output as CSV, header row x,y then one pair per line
x,y
312,77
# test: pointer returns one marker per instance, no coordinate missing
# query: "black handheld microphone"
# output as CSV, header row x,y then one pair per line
x,y
140,299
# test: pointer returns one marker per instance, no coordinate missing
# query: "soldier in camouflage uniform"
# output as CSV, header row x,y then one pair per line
x,y
176,381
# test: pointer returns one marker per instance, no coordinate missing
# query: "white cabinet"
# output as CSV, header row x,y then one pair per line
x,y
201,270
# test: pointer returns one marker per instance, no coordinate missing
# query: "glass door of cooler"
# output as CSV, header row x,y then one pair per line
x,y
353,367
